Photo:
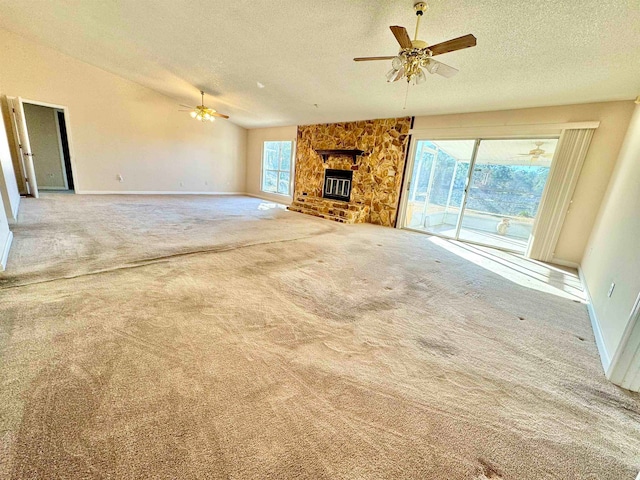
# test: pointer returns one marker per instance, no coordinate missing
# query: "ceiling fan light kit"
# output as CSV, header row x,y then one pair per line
x,y
203,113
415,55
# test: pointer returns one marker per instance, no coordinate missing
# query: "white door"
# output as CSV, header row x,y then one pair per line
x,y
24,146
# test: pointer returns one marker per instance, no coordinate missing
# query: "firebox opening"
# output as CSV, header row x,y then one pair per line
x,y
337,184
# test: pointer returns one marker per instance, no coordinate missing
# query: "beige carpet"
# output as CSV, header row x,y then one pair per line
x,y
204,338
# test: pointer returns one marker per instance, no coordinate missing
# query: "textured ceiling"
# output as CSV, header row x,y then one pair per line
x,y
530,53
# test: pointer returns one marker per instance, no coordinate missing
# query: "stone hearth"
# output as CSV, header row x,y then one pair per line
x,y
351,212
377,175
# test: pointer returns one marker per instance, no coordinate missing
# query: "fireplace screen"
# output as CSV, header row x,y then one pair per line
x,y
337,184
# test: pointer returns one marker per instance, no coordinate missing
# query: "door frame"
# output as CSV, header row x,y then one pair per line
x,y
406,183
62,162
67,120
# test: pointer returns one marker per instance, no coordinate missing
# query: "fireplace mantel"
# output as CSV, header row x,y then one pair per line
x,y
353,153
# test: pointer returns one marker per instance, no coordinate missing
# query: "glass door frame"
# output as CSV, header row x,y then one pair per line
x,y
406,184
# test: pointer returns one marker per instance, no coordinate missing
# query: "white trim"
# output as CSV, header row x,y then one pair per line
x,y
146,192
14,213
595,325
564,263
268,198
493,131
60,150
42,104
5,252
408,175
625,365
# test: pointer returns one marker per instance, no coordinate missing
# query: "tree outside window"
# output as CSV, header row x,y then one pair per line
x,y
276,167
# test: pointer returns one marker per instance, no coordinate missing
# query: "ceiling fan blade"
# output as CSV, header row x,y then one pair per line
x,y
186,106
216,114
401,36
459,43
368,59
442,69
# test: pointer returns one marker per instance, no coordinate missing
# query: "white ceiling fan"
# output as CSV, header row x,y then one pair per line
x,y
537,152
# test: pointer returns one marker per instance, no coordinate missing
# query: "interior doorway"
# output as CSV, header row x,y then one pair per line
x,y
43,146
485,192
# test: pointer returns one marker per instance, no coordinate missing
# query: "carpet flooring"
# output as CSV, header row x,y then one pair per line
x,y
186,337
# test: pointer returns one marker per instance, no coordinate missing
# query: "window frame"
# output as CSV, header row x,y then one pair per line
x,y
279,170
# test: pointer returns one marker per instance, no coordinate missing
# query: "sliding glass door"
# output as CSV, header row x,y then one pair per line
x,y
436,190
480,191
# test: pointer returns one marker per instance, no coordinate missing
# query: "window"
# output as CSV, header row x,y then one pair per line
x,y
276,167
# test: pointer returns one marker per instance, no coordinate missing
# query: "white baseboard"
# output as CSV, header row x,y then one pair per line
x,y
144,192
565,263
14,211
282,199
605,358
5,252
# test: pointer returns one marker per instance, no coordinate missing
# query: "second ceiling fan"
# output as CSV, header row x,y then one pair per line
x,y
416,55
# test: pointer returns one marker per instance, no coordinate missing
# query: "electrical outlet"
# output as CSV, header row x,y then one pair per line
x,y
610,292
182,184
119,178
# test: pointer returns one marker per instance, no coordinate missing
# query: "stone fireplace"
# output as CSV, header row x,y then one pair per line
x,y
351,172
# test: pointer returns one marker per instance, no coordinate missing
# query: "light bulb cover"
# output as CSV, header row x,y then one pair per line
x,y
432,66
193,114
394,75
397,63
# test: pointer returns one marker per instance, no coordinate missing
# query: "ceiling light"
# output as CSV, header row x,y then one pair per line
x,y
203,113
393,74
431,66
419,77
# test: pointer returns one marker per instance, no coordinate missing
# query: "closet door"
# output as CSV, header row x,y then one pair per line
x,y
26,155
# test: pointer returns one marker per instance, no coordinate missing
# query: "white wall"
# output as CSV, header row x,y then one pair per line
x,y
255,141
603,152
9,193
119,127
613,251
